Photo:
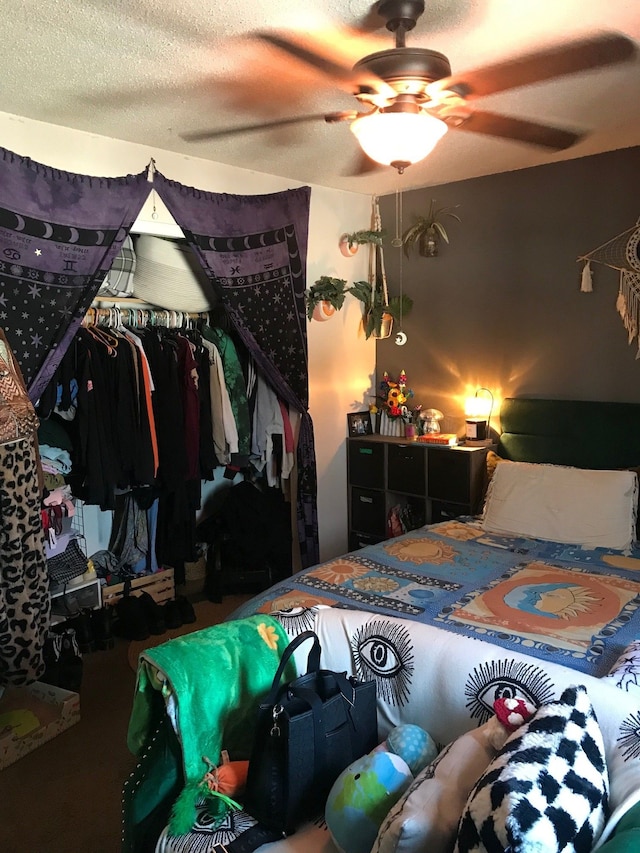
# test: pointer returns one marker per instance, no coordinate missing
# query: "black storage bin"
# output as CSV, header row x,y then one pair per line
x,y
368,513
366,464
448,475
443,511
361,540
406,469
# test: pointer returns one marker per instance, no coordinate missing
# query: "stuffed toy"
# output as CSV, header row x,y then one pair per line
x,y
362,795
426,816
218,785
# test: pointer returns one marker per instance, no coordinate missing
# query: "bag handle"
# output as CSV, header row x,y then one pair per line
x,y
313,661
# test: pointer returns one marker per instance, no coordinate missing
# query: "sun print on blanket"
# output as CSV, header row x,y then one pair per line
x,y
293,599
505,679
542,603
463,532
422,550
383,652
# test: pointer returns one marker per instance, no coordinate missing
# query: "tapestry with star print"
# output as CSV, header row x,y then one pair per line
x,y
59,235
255,250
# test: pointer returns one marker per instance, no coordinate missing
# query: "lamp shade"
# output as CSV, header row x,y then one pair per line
x,y
392,138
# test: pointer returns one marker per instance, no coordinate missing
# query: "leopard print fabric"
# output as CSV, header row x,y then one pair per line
x,y
24,587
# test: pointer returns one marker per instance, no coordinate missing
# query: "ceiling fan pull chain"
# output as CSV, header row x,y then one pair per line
x,y
397,240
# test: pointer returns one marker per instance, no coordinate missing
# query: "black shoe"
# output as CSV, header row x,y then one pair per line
x,y
187,613
172,615
102,627
131,622
51,656
154,613
81,624
70,662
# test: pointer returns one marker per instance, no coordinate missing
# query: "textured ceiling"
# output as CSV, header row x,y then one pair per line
x,y
148,70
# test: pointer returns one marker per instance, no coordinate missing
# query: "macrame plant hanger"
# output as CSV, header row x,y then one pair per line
x,y
401,337
377,268
620,253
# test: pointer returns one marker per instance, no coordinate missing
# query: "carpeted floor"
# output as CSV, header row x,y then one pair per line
x,y
64,797
206,614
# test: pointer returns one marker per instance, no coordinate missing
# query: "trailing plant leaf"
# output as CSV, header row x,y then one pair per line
x,y
373,307
326,289
363,291
363,237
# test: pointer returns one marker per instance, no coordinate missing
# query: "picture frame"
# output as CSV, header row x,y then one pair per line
x,y
359,423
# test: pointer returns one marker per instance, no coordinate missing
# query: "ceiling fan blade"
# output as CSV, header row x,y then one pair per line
x,y
570,58
204,135
520,130
345,76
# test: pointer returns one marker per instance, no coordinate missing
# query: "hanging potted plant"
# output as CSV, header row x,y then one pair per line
x,y
349,242
378,315
325,297
428,231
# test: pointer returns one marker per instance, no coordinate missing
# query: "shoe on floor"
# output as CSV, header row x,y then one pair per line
x,y
132,622
172,615
102,627
187,613
81,624
154,613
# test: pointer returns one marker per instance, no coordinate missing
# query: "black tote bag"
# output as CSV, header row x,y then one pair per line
x,y
307,732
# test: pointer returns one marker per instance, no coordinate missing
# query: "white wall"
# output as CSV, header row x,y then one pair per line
x,y
341,362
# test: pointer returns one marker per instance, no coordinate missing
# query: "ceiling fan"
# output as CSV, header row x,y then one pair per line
x,y
411,98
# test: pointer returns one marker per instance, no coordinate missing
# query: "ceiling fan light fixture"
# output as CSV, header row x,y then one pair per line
x,y
398,138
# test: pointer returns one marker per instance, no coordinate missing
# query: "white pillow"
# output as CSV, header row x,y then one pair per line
x,y
574,505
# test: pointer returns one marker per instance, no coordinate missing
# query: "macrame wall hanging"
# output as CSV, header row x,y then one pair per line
x,y
620,253
378,279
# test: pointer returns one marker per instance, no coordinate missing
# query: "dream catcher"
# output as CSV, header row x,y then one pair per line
x,y
620,253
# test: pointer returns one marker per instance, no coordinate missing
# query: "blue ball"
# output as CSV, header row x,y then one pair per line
x,y
413,744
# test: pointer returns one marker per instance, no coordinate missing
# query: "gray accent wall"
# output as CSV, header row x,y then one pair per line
x,y
500,306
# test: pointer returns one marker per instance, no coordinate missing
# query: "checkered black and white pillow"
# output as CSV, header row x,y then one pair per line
x,y
547,790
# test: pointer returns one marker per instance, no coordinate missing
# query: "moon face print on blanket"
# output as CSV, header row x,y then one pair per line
x,y
539,602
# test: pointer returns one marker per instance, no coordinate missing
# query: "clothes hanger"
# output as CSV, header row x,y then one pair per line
x,y
107,339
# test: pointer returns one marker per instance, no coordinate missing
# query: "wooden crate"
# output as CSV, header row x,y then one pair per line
x,y
159,585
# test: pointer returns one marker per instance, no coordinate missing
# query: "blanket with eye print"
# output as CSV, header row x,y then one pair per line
x,y
553,601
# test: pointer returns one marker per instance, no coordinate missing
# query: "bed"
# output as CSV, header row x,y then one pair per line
x,y
410,611
570,602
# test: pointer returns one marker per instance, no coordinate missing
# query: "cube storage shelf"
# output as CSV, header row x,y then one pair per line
x,y
70,599
432,482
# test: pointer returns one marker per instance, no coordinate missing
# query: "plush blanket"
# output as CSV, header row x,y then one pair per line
x,y
212,681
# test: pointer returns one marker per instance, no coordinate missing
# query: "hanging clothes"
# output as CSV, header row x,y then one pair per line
x,y
234,380
225,433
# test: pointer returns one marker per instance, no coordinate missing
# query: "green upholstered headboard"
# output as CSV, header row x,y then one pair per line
x,y
570,432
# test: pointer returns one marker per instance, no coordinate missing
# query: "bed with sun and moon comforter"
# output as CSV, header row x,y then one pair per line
x,y
554,601
550,569
448,618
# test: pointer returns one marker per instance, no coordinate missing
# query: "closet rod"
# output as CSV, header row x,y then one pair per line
x,y
140,317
